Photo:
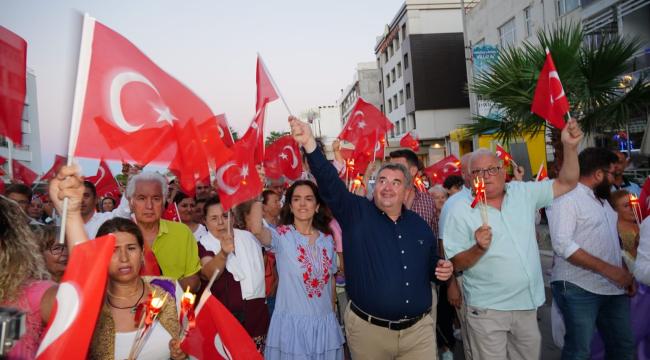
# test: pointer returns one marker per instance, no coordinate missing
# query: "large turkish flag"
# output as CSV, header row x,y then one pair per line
x,y
130,92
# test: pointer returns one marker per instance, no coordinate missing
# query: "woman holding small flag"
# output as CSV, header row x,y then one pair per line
x,y
139,315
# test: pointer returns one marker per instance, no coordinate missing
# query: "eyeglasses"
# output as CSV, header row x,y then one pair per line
x,y
57,249
489,171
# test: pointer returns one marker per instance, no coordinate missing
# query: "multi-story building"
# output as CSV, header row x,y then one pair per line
x,y
423,77
502,23
365,85
29,153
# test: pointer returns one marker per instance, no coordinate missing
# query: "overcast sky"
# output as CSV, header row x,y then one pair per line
x,y
310,47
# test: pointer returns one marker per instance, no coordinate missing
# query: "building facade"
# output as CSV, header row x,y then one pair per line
x,y
422,66
503,23
29,153
365,85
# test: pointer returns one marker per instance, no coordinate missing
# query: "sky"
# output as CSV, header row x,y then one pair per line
x,y
311,49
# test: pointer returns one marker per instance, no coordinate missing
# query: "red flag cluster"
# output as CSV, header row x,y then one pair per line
x,y
366,130
550,101
21,172
438,172
503,155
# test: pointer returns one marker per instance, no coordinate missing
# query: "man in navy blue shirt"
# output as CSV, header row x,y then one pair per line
x,y
390,259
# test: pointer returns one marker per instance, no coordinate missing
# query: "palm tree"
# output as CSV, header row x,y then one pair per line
x,y
591,73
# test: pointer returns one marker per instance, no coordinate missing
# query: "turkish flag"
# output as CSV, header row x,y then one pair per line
x,y
171,213
541,174
211,135
550,101
23,173
367,153
105,182
438,172
237,179
13,84
365,126
78,301
254,136
218,335
224,130
191,161
59,160
128,91
266,92
411,141
503,155
282,158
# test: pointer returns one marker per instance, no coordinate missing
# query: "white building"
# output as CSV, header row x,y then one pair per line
x,y
29,153
423,76
365,85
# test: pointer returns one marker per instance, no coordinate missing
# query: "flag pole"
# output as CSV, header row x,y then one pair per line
x,y
83,67
10,161
275,86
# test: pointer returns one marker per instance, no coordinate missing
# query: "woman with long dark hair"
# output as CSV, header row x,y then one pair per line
x,y
303,325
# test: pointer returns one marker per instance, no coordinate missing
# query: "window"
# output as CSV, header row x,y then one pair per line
x,y
406,61
392,75
390,51
379,62
408,91
507,33
380,87
398,130
395,100
403,31
392,132
399,70
390,105
403,125
396,43
528,22
401,97
566,6
388,80
381,107
412,118
385,55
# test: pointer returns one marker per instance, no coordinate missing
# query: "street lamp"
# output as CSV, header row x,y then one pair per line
x,y
626,84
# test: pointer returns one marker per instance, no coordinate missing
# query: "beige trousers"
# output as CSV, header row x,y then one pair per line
x,y
372,342
498,334
462,319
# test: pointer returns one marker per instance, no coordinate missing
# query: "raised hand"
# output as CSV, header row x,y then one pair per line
x,y
301,132
67,183
572,134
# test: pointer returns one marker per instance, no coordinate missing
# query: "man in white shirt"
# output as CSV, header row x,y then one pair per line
x,y
589,281
93,219
642,263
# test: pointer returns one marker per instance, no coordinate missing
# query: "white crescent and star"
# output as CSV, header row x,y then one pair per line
x,y
294,158
554,75
102,173
117,84
221,348
67,309
222,184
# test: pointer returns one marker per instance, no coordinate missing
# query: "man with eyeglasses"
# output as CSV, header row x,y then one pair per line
x,y
589,280
502,273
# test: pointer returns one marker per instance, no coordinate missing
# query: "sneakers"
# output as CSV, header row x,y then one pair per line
x,y
340,280
447,355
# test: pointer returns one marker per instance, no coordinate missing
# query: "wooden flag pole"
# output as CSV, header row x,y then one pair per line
x,y
83,67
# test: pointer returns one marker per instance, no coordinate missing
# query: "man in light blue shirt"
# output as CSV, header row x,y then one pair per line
x,y
502,276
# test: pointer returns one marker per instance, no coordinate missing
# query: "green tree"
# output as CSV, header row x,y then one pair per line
x,y
235,135
274,136
591,73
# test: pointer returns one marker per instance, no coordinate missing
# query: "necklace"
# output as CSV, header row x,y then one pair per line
x,y
132,307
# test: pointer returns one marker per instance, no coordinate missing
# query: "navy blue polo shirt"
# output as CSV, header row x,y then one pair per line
x,y
389,265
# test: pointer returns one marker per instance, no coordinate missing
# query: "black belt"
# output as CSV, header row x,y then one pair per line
x,y
391,325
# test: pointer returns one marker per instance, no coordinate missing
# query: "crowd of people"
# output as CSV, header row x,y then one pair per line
x,y
421,270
